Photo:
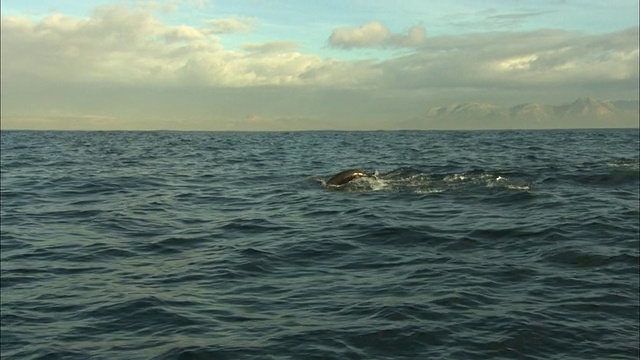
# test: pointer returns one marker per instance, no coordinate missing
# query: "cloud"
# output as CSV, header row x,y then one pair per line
x,y
230,25
375,34
272,46
156,71
511,19
104,46
122,45
183,33
118,44
491,19
542,59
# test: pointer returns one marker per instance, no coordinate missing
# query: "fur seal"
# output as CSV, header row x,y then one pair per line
x,y
346,176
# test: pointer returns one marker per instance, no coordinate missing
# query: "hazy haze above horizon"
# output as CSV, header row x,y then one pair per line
x,y
297,65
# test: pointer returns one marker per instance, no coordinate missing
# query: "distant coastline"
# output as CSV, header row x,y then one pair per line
x,y
583,113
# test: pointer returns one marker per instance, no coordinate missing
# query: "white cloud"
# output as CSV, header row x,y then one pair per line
x,y
183,33
545,58
370,34
123,50
375,34
517,63
272,46
230,25
123,45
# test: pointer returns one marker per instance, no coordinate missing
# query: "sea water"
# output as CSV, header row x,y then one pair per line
x,y
216,245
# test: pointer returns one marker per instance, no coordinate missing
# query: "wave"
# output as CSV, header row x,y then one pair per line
x,y
412,180
613,173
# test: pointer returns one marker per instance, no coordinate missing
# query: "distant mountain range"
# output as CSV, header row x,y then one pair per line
x,y
585,112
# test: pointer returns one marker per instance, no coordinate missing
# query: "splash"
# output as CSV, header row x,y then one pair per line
x,y
408,180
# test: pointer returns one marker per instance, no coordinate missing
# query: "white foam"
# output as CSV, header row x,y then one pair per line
x,y
429,191
518,187
455,177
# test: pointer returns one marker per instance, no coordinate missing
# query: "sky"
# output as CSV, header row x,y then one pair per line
x,y
301,65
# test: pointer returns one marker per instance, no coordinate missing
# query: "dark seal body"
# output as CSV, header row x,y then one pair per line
x,y
346,176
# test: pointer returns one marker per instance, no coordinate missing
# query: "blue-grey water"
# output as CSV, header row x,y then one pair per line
x,y
174,245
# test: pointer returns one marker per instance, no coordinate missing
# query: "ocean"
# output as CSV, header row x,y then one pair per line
x,y
229,245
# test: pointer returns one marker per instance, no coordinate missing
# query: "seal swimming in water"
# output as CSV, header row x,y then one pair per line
x,y
344,177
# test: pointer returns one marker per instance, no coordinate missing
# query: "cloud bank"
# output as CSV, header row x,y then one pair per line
x,y
375,34
120,49
123,45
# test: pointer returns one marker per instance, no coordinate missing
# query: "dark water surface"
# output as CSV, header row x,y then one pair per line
x,y
468,245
